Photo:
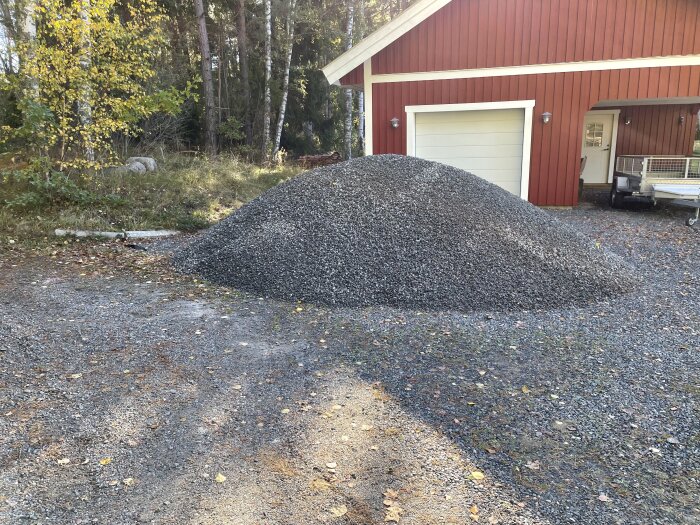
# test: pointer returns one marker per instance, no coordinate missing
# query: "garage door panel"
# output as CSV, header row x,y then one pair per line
x,y
474,165
504,126
470,139
493,151
470,116
487,143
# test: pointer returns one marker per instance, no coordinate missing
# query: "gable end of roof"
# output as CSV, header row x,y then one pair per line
x,y
381,38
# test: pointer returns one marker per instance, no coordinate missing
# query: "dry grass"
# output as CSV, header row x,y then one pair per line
x,y
186,194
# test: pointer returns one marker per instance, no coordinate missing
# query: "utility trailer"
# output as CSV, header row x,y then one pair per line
x,y
658,177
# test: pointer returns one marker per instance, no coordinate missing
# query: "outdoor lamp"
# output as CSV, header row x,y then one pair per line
x,y
628,121
546,117
681,120
394,122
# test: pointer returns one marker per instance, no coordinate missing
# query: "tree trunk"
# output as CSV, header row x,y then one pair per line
x,y
268,73
361,94
85,102
348,92
207,81
243,57
287,66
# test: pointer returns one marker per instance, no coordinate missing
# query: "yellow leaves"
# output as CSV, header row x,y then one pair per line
x,y
339,511
63,461
474,513
477,475
105,461
393,511
320,485
105,64
219,478
285,411
525,389
128,482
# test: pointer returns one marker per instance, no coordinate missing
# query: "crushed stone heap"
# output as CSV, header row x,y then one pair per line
x,y
401,231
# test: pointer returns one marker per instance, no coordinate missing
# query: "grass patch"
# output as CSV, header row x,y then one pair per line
x,y
185,194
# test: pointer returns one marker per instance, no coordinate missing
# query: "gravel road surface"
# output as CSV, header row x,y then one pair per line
x,y
130,394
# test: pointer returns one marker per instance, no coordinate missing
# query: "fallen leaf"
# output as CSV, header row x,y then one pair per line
x,y
533,465
604,498
477,475
237,387
393,513
75,376
220,478
285,411
332,464
391,493
320,485
525,389
105,461
474,509
366,427
128,481
340,510
63,461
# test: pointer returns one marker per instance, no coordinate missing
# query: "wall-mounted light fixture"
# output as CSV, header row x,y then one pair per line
x,y
628,120
546,117
394,122
681,120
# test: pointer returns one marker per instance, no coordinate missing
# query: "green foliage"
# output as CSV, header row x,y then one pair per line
x,y
38,187
88,75
186,193
232,129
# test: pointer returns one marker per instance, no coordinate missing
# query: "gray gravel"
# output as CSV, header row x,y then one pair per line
x,y
577,415
402,231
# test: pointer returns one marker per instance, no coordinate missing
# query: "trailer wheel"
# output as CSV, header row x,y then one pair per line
x,y
690,221
616,197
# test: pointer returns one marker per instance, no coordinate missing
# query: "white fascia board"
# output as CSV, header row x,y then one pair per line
x,y
539,69
381,38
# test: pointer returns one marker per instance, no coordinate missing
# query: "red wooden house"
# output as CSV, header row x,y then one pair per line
x,y
519,91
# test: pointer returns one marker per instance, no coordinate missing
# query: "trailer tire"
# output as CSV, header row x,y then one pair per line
x,y
690,221
616,197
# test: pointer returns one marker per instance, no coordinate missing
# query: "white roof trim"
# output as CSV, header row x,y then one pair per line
x,y
381,38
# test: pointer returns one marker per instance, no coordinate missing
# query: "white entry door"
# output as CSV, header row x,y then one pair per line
x,y
597,146
487,143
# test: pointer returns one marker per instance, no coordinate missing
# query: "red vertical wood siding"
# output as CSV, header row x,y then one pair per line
x,y
356,77
467,34
657,130
556,147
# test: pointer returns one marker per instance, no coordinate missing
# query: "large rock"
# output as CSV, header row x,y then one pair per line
x,y
149,162
136,167
402,231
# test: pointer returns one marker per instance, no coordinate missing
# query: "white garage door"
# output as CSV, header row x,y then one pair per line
x,y
487,143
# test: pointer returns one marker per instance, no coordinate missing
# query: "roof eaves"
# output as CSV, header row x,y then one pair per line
x,y
381,38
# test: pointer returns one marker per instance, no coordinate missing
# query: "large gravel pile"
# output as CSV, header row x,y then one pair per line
x,y
402,231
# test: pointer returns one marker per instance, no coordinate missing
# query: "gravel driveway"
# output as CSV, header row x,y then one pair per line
x,y
130,394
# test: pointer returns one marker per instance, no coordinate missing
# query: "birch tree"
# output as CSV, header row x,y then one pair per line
x,y
88,56
289,26
361,94
207,81
267,102
348,91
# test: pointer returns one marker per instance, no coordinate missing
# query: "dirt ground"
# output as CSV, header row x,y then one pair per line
x,y
130,394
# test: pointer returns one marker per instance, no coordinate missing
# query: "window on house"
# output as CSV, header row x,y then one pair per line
x,y
594,135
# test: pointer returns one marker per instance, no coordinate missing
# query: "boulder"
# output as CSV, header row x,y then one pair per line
x,y
149,162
